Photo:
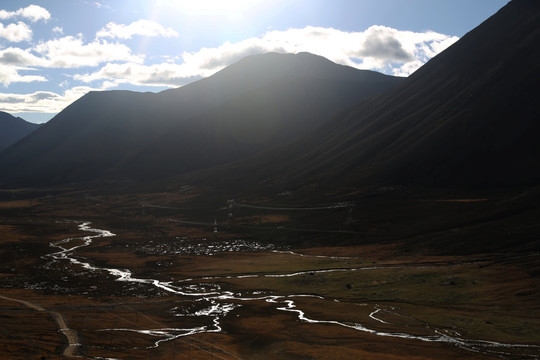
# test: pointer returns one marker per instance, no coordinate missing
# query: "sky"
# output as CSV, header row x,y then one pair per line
x,y
52,52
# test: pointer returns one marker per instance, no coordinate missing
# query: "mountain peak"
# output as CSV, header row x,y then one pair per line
x,y
261,68
278,56
12,129
259,102
467,117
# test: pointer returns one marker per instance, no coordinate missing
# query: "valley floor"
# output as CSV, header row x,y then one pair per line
x,y
138,280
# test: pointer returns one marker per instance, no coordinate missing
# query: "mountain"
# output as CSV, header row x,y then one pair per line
x,y
249,106
447,162
469,117
12,129
285,107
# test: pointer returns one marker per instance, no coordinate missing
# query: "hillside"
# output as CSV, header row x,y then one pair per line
x,y
467,118
243,109
12,129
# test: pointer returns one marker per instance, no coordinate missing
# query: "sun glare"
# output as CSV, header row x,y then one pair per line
x,y
214,6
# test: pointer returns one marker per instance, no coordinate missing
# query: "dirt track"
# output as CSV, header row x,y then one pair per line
x,y
71,335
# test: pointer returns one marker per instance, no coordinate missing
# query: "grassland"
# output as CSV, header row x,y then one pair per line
x,y
354,297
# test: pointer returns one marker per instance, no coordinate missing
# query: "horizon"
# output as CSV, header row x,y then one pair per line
x,y
51,59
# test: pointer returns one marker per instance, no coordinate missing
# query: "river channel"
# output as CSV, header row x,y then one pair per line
x,y
215,303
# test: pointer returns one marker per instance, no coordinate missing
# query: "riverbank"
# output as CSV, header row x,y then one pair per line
x,y
353,301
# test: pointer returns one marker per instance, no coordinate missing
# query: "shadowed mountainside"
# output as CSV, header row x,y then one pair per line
x,y
469,117
251,105
12,129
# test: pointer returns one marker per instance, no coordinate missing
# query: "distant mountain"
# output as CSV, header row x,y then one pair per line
x,y
12,129
469,117
259,102
307,92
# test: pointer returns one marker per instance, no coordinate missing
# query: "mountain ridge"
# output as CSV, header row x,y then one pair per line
x,y
464,119
12,129
95,137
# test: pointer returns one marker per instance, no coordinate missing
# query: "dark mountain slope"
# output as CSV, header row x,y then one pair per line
x,y
257,70
88,135
267,116
125,135
12,129
467,117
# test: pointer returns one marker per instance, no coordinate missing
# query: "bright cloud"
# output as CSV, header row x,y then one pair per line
x,y
14,60
139,27
165,74
378,48
68,52
19,57
15,32
9,74
44,101
58,30
32,12
72,52
110,63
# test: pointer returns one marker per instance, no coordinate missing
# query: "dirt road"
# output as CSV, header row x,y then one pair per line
x,y
70,334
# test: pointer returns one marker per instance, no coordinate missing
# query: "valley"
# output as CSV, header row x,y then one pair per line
x,y
166,281
274,204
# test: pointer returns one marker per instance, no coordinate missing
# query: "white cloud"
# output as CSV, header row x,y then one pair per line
x,y
14,60
383,44
10,74
99,5
139,27
19,57
31,12
35,13
15,32
72,52
207,61
43,101
165,74
58,30
378,48
68,52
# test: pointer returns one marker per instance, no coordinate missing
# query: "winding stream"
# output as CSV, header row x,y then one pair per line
x,y
222,302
